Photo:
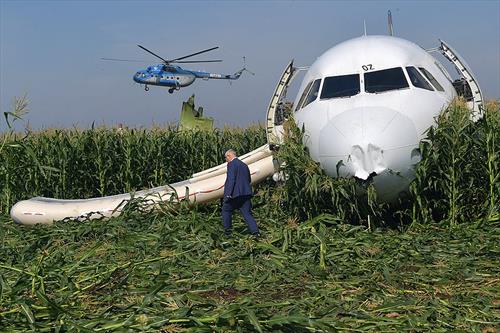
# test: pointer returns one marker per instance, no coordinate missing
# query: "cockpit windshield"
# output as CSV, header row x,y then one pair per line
x,y
170,69
385,80
313,92
340,86
303,96
431,78
309,94
417,80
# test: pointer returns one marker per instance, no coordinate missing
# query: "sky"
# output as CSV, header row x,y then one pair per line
x,y
51,50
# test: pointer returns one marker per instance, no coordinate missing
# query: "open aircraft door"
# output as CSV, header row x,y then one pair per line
x,y
276,110
467,86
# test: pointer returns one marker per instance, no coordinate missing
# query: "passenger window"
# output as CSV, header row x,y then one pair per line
x,y
431,78
304,94
313,93
417,79
340,86
385,80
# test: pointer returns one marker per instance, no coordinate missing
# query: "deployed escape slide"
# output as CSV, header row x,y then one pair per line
x,y
202,187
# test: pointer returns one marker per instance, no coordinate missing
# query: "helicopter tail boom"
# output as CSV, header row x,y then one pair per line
x,y
207,76
237,75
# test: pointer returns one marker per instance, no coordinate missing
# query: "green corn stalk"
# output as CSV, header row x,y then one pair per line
x,y
492,119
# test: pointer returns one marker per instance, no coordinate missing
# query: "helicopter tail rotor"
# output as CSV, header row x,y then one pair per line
x,y
245,67
237,75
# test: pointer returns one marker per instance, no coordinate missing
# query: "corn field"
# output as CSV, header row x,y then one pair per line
x,y
329,260
74,164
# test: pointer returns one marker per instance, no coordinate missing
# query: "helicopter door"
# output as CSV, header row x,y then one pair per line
x,y
467,86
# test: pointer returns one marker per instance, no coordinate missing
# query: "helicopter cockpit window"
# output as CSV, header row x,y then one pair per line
x,y
303,96
431,78
385,80
313,93
417,80
340,86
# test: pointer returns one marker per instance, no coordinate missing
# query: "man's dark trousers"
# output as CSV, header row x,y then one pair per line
x,y
244,204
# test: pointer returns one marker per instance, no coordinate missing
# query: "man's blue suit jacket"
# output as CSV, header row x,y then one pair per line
x,y
238,182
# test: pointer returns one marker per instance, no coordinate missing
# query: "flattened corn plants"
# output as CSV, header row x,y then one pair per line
x,y
162,272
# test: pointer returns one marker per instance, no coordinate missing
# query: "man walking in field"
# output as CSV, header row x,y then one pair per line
x,y
237,194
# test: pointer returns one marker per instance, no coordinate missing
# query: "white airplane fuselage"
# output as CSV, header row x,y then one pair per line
x,y
365,105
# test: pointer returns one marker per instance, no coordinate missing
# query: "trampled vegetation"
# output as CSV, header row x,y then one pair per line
x,y
329,260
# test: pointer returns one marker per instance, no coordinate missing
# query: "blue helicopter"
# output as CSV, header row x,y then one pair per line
x,y
176,77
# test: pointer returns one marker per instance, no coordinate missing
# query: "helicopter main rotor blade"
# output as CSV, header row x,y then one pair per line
x,y
194,61
145,49
193,54
127,60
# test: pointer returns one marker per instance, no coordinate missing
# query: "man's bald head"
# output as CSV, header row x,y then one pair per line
x,y
230,155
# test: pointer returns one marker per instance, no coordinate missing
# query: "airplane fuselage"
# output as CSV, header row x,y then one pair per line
x,y
366,104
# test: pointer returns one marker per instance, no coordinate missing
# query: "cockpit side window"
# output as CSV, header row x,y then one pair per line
x,y
385,80
313,93
340,86
304,94
431,78
417,80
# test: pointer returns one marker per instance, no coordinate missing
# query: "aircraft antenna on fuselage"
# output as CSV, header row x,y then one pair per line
x,y
389,21
364,26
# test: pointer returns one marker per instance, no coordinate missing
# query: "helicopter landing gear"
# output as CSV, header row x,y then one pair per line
x,y
146,88
171,90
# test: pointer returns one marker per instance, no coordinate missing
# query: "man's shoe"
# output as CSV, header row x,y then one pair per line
x,y
256,235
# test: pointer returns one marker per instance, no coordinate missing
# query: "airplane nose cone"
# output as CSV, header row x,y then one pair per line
x,y
370,141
